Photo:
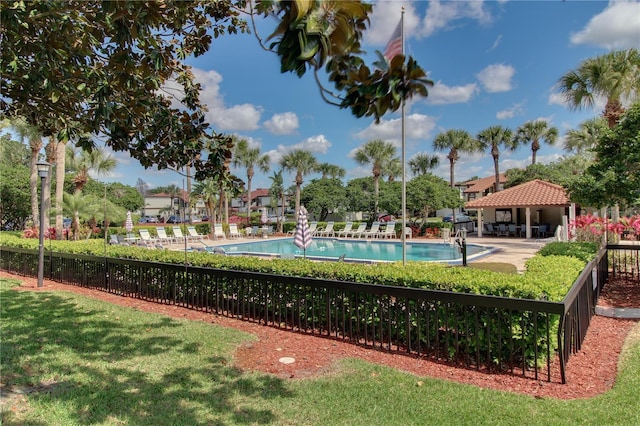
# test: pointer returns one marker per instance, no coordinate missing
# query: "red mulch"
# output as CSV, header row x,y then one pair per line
x,y
590,372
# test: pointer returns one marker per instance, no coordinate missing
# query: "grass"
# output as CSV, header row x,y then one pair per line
x,y
90,362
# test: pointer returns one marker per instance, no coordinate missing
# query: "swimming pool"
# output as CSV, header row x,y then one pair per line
x,y
357,251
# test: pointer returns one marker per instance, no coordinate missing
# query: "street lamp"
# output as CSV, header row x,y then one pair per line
x,y
43,172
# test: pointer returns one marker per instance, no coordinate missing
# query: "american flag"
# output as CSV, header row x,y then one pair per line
x,y
394,46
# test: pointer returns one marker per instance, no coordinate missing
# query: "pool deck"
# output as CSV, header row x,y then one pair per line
x,y
508,250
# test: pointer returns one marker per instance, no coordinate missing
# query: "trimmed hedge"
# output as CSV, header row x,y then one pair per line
x,y
549,274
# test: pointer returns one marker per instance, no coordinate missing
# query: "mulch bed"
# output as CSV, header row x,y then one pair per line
x,y
590,372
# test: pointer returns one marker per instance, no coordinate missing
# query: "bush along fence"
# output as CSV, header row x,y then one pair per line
x,y
532,338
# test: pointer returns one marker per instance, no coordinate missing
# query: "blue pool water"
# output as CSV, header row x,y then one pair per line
x,y
360,251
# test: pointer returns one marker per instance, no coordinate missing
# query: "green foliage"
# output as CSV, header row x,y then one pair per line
x,y
323,196
124,196
614,178
360,194
564,172
583,251
427,193
15,196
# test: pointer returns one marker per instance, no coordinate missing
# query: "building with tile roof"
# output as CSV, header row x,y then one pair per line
x,y
531,204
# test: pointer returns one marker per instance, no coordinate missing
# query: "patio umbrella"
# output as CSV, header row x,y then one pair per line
x,y
128,224
302,236
263,217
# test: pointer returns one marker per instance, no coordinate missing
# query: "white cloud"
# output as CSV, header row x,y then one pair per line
x,y
417,126
384,20
285,123
496,78
441,94
617,27
512,111
237,117
315,144
441,15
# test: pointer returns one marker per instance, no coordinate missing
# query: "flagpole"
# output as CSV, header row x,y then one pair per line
x,y
404,180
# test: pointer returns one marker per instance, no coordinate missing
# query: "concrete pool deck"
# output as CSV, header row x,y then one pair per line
x,y
508,250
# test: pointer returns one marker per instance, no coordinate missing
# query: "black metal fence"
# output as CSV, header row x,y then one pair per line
x,y
483,332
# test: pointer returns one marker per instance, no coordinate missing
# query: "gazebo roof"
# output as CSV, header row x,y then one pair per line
x,y
534,193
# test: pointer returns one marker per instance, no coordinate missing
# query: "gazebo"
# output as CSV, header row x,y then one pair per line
x,y
531,204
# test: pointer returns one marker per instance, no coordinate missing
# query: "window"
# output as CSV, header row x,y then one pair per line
x,y
503,215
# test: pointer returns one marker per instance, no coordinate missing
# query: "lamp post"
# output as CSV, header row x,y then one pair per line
x,y
43,172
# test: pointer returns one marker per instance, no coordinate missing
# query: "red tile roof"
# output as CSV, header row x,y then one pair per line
x,y
481,185
529,194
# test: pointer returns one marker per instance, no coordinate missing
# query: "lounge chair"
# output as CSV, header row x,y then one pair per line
x,y
345,231
163,237
177,233
219,232
113,239
373,231
327,231
313,228
194,235
233,231
146,237
389,231
358,232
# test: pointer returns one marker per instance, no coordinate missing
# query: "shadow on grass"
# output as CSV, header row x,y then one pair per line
x,y
104,364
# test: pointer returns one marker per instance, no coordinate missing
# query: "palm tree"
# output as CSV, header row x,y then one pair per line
x,y
378,153
82,162
492,138
303,163
586,136
174,191
614,75
247,157
392,169
421,163
207,190
456,141
331,171
534,132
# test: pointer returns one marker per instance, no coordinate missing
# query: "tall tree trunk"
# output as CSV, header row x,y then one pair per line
x,y
60,165
50,151
35,146
452,181
496,168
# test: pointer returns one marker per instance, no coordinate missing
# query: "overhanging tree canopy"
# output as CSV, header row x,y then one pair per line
x,y
102,67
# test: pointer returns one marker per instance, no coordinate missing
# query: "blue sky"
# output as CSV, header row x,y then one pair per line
x,y
493,63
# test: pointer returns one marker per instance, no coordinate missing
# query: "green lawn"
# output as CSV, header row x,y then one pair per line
x,y
96,363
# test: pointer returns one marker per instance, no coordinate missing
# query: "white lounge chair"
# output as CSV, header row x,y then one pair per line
x,y
389,231
194,235
358,232
219,232
177,233
374,231
233,231
313,228
327,231
163,237
146,237
345,231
